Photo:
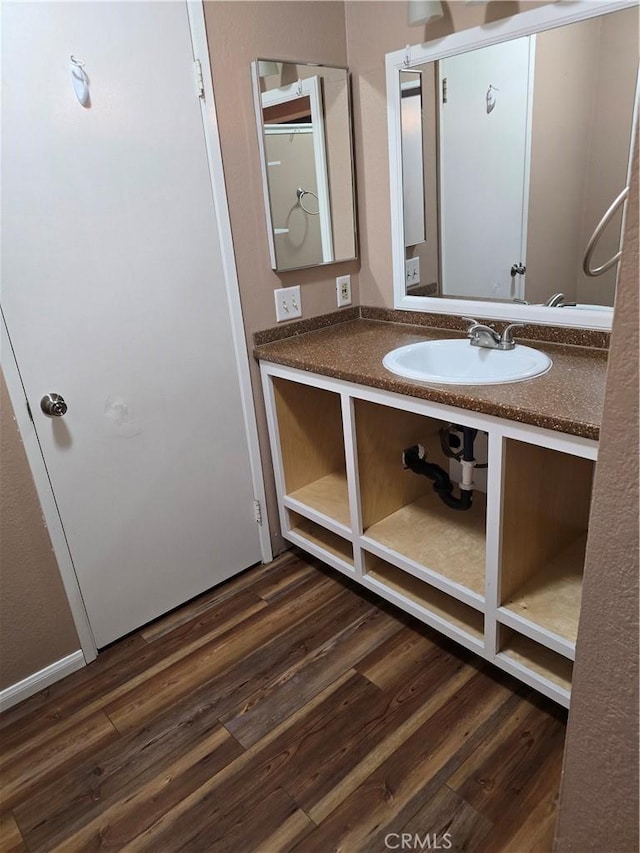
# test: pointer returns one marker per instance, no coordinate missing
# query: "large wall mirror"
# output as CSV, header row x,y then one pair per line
x,y
509,146
304,131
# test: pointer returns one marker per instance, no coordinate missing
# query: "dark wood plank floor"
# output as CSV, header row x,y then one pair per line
x,y
286,710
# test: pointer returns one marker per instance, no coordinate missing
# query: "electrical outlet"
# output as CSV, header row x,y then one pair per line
x,y
412,271
288,303
343,290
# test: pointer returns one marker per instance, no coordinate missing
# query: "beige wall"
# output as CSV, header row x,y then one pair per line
x,y
599,796
36,627
238,33
559,157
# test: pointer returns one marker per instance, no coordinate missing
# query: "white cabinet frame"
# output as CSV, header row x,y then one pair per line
x,y
353,537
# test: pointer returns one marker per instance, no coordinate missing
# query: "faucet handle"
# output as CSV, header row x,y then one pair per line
x,y
506,337
477,322
474,323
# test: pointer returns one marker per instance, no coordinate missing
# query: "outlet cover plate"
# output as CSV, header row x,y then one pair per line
x,y
412,271
343,290
288,303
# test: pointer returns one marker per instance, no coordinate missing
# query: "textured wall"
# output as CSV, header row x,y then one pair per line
x,y
599,796
36,627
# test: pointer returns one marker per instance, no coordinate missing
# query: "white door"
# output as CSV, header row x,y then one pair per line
x,y
114,297
485,98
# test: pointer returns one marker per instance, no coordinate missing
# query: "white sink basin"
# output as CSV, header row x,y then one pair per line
x,y
456,362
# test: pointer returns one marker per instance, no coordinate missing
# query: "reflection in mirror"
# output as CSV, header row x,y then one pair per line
x,y
304,129
413,194
526,143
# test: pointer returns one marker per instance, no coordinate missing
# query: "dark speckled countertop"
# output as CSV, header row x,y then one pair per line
x,y
569,398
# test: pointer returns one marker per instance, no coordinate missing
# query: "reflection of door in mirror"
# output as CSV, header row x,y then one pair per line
x,y
484,112
579,118
297,173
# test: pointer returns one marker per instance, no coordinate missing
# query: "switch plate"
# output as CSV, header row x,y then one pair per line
x,y
412,271
288,303
343,290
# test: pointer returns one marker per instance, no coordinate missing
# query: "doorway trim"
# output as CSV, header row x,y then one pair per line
x,y
200,45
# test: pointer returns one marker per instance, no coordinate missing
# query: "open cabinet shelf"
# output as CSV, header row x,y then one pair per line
x,y
312,449
536,659
427,601
551,597
545,513
422,532
328,495
400,510
319,540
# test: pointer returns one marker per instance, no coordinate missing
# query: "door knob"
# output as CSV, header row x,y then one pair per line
x,y
53,405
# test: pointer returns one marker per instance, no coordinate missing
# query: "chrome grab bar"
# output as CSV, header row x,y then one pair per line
x,y
586,263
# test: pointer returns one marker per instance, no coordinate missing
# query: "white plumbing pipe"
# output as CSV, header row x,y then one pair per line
x,y
467,475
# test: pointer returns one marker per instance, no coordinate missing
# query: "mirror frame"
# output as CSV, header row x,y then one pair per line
x,y
257,103
525,23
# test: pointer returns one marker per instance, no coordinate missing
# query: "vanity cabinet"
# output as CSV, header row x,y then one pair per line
x,y
502,578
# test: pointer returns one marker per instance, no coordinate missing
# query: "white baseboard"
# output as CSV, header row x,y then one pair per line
x,y
39,680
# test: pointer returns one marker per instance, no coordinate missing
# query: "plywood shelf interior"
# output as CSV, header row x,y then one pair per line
x,y
312,447
322,538
433,535
425,596
537,658
400,509
328,495
545,514
551,597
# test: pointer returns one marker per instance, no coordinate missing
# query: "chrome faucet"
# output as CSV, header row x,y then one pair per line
x,y
558,301
482,335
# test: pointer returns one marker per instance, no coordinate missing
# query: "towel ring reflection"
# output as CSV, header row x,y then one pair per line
x,y
301,194
586,264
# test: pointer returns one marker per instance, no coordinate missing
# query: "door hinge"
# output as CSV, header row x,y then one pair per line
x,y
199,78
29,412
444,90
258,511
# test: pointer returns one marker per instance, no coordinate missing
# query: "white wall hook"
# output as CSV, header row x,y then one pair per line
x,y
80,82
491,97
